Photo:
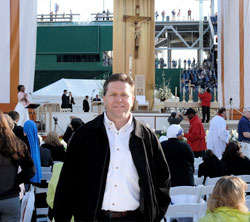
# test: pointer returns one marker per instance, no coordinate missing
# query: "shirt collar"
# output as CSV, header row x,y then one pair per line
x,y
108,122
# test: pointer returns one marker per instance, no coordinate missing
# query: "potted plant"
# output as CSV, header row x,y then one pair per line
x,y
163,93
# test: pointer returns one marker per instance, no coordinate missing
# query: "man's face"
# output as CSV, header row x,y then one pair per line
x,y
22,88
190,116
65,92
224,114
247,114
118,100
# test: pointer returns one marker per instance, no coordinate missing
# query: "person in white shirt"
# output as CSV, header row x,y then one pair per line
x,y
115,169
23,102
218,135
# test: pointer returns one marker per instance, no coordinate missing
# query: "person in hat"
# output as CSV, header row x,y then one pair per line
x,y
179,156
196,134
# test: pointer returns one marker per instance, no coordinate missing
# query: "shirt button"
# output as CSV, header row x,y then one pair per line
x,y
113,204
115,185
117,133
117,149
116,168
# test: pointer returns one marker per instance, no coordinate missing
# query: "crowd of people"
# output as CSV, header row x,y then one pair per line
x,y
202,77
174,14
104,15
68,101
115,168
201,80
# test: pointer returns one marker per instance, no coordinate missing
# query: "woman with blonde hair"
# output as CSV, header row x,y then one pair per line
x,y
227,201
53,143
13,153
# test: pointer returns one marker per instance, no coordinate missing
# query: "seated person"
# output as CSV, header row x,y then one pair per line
x,y
237,163
212,166
53,143
179,156
75,124
227,201
175,118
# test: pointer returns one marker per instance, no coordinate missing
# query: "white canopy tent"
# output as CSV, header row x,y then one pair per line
x,y
79,88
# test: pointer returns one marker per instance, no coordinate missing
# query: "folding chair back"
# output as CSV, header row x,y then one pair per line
x,y
194,210
206,191
246,178
248,204
211,181
185,194
198,180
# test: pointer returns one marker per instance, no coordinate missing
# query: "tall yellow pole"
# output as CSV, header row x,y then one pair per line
x,y
135,34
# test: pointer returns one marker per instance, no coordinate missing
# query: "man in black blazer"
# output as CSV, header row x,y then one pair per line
x,y
85,105
115,169
65,99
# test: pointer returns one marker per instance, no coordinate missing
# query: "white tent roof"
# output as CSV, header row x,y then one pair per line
x,y
78,87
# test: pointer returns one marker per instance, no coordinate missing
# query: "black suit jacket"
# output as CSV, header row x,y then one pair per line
x,y
81,186
18,131
85,105
65,101
46,159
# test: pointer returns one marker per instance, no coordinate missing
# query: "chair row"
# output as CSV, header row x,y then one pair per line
x,y
189,201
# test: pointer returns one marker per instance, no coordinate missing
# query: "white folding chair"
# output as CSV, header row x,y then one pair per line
x,y
245,148
248,192
211,181
248,204
196,165
194,210
198,160
46,175
198,180
196,169
206,191
246,178
185,194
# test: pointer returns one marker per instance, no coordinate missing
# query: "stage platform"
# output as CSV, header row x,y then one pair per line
x,y
156,121
46,120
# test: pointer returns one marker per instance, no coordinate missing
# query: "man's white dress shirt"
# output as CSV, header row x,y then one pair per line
x,y
122,192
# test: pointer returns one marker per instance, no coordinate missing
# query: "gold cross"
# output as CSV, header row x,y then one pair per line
x,y
136,20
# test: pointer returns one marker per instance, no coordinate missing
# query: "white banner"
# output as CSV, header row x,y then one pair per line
x,y
28,29
229,41
247,52
231,52
5,52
